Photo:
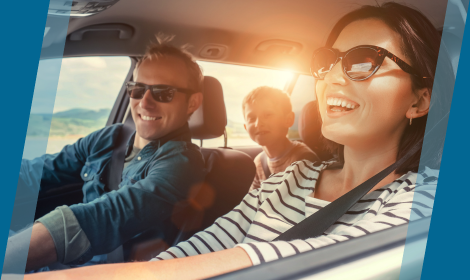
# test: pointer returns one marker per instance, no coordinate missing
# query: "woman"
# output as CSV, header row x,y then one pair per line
x,y
374,81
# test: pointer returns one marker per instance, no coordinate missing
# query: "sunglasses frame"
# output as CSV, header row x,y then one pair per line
x,y
154,90
382,53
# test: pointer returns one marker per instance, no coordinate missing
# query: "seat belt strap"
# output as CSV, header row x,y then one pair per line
x,y
114,176
116,164
316,224
264,164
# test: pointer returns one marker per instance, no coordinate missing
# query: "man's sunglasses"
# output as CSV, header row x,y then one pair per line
x,y
161,93
358,63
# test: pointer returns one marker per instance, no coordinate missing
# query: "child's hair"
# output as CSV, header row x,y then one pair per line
x,y
277,95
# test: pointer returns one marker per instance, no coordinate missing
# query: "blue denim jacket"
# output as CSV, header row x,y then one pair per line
x,y
154,181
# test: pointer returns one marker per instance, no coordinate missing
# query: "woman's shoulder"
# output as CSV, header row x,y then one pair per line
x,y
299,175
414,193
411,186
425,177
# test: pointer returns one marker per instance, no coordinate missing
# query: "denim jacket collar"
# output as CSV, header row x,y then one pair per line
x,y
181,134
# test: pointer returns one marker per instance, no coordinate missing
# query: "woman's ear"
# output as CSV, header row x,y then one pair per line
x,y
421,105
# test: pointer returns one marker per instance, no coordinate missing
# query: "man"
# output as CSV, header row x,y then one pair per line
x,y
160,167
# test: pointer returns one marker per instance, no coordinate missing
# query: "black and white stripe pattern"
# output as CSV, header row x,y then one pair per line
x,y
283,201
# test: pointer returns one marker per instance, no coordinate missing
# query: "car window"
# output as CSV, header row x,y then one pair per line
x,y
86,92
303,92
237,81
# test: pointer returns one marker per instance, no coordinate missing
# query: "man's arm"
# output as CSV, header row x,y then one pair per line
x,y
56,170
64,167
51,171
42,250
117,216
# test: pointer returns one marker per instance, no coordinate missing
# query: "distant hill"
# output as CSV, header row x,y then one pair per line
x,y
82,114
76,121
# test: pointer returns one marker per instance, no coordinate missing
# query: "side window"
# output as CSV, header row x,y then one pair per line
x,y
303,92
86,92
237,81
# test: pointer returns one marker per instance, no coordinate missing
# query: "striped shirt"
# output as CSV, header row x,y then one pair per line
x,y
283,200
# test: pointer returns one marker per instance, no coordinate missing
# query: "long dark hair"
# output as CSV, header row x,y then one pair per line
x,y
420,44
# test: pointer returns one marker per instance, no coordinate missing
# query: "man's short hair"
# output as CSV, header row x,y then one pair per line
x,y
163,48
278,96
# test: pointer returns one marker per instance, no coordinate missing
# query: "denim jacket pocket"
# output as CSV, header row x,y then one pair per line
x,y
88,172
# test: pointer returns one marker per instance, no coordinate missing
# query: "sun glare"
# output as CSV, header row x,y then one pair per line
x,y
288,75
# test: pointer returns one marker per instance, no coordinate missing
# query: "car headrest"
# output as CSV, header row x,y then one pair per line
x,y
309,126
210,119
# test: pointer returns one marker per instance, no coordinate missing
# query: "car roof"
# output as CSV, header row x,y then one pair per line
x,y
278,34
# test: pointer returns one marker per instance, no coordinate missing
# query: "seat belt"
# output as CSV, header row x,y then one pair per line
x,y
316,224
264,164
114,176
116,165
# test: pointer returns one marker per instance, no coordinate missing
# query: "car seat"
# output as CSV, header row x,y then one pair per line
x,y
230,172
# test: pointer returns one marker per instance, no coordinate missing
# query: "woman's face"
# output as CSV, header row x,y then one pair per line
x,y
381,102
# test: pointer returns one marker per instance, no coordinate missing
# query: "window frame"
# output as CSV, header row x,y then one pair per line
x,y
121,104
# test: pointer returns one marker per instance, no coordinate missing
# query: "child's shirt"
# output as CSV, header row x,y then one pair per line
x,y
297,151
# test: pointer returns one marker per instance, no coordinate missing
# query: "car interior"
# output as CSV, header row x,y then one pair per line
x,y
278,34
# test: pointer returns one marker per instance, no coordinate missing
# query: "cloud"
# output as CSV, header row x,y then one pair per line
x,y
84,83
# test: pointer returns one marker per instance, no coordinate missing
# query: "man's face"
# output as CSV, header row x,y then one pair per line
x,y
153,119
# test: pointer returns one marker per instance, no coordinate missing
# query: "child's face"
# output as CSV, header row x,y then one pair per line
x,y
267,122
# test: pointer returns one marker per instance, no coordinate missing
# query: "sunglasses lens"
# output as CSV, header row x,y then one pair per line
x,y
163,94
322,62
361,63
135,91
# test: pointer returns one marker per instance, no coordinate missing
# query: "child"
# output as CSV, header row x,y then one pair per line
x,y
268,116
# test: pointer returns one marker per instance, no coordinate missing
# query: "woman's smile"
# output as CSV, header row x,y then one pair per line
x,y
338,106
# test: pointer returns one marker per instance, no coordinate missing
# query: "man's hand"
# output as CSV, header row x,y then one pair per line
x,y
42,250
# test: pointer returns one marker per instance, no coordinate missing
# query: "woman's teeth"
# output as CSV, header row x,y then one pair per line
x,y
147,118
340,104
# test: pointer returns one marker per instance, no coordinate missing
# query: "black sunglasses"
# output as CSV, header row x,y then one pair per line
x,y
161,93
359,63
